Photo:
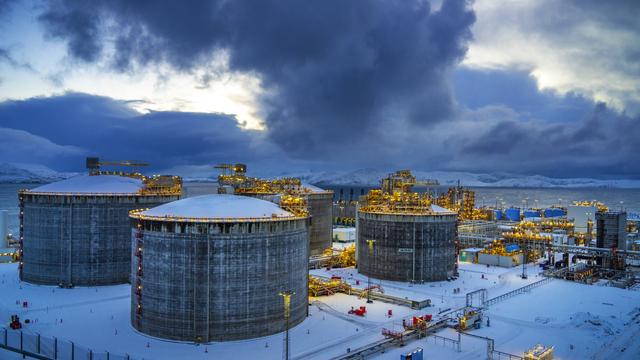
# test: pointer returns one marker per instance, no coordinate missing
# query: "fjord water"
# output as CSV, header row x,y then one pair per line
x,y
534,197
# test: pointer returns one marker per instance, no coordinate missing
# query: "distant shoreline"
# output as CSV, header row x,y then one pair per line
x,y
211,181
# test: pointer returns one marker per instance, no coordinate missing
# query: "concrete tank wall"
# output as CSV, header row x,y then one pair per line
x,y
79,240
407,247
218,281
321,211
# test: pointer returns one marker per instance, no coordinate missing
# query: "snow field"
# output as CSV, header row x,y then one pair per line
x,y
580,321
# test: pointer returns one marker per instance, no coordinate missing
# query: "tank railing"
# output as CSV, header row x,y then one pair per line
x,y
137,215
34,345
29,192
426,211
146,190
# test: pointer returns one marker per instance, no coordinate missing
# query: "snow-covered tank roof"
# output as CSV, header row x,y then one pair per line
x,y
439,209
218,206
313,188
98,184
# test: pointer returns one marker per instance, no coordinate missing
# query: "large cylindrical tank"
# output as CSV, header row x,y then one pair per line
x,y
320,203
512,214
407,247
76,232
497,214
212,268
321,210
531,213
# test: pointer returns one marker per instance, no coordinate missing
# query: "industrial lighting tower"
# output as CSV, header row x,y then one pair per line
x,y
370,243
286,297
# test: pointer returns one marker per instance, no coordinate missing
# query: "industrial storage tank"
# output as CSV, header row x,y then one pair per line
x,y
512,214
321,210
320,201
531,213
76,232
213,267
414,247
402,236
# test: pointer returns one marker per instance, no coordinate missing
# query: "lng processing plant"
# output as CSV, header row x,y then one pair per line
x,y
114,264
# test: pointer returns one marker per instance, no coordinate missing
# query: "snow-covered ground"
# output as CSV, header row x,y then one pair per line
x,y
598,321
472,277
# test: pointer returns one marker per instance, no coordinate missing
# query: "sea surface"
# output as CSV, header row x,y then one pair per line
x,y
628,199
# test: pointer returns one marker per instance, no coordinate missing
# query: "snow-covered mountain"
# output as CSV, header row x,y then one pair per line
x,y
371,177
29,173
33,173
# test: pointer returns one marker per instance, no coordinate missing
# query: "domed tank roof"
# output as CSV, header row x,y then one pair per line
x,y
439,209
218,206
314,189
96,184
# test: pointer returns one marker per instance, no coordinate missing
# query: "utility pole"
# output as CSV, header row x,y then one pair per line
x,y
286,298
370,243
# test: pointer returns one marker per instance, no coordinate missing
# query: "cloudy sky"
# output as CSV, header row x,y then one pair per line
x,y
522,86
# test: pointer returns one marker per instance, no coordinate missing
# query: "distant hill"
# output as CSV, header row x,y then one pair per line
x,y
32,173
371,177
18,173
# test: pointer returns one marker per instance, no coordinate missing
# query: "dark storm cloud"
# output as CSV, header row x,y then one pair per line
x,y
333,70
604,144
5,5
351,83
60,131
79,25
63,130
518,90
586,46
509,125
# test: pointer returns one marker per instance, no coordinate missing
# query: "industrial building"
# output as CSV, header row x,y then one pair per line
x,y
611,230
402,236
499,254
76,232
319,201
344,235
216,267
583,215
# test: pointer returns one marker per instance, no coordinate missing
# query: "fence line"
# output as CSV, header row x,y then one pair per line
x,y
504,355
50,348
517,291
